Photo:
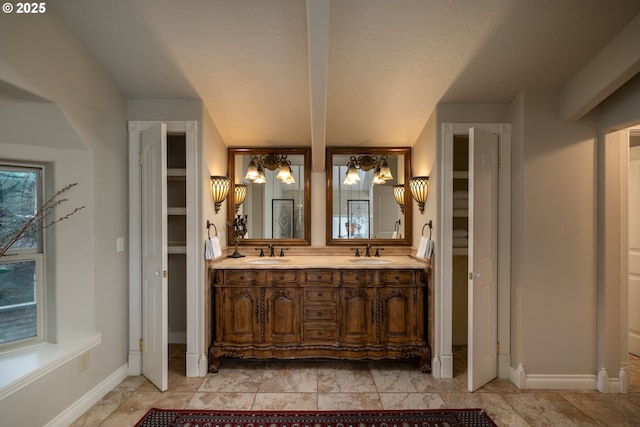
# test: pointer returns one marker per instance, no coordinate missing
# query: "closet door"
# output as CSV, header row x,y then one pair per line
x,y
483,258
154,255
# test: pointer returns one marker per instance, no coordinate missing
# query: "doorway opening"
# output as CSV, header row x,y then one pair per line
x,y
633,265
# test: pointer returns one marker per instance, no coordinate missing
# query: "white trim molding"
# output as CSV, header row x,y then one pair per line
x,y
443,293
522,380
19,368
83,404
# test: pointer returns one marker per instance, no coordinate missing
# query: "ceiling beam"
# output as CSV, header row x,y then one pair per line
x,y
318,51
612,67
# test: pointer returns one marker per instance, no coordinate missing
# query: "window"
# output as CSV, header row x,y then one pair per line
x,y
21,267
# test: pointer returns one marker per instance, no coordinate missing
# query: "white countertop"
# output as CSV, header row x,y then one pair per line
x,y
320,261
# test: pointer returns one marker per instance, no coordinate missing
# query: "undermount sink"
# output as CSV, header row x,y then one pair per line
x,y
267,261
371,261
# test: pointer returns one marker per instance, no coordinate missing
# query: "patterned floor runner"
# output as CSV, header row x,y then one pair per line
x,y
409,418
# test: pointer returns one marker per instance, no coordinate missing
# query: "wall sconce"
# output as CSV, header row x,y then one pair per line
x,y
257,165
239,193
398,194
219,190
419,186
381,174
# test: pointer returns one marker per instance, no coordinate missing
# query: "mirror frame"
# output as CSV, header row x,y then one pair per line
x,y
231,158
408,208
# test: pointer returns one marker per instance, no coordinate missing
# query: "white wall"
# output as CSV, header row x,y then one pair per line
x,y
619,111
41,62
554,310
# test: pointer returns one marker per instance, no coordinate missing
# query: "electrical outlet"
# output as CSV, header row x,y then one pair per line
x,y
120,244
83,361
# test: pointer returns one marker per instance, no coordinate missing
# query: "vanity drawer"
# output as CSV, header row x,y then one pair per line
x,y
319,332
280,276
326,295
357,276
245,277
398,276
318,276
318,313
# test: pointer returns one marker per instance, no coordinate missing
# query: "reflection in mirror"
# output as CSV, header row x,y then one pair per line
x,y
366,190
271,190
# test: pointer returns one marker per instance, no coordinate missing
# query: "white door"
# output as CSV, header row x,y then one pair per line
x,y
634,250
483,257
154,255
384,216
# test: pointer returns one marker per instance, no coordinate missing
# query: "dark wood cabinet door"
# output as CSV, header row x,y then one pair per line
x,y
358,318
398,315
282,315
241,315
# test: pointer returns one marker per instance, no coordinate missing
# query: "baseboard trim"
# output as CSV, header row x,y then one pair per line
x,y
83,404
522,380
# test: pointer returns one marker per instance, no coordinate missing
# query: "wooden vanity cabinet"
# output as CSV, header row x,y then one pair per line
x,y
308,313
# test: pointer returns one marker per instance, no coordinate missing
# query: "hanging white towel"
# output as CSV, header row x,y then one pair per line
x,y
212,248
429,251
208,248
422,247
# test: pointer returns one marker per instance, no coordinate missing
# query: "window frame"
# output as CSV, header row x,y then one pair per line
x,y
37,255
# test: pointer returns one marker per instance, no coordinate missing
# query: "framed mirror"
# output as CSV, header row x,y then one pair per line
x,y
270,190
368,197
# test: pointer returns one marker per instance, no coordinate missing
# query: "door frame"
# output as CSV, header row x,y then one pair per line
x,y
195,354
442,363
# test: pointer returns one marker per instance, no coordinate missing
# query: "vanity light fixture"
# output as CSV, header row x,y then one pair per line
x,y
219,190
239,193
398,194
257,165
419,186
382,172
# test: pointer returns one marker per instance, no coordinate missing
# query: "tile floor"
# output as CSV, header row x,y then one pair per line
x,y
335,385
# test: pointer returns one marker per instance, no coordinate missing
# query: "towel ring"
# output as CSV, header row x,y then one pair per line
x,y
209,224
430,224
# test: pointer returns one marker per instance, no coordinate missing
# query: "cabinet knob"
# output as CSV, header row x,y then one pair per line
x,y
397,277
319,313
319,333
319,294
319,277
241,277
357,277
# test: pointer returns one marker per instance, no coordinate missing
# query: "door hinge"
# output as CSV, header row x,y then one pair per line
x,y
470,275
499,161
141,344
498,347
140,158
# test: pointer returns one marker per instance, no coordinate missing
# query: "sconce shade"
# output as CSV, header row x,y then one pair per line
x,y
419,186
252,169
398,194
260,179
239,193
219,190
352,176
385,170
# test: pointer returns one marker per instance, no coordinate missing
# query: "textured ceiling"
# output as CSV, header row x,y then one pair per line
x,y
379,68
